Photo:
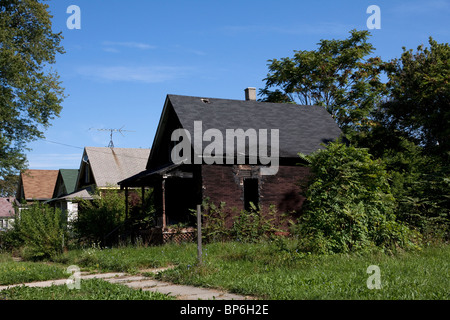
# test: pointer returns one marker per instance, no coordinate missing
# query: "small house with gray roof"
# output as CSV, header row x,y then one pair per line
x,y
100,169
193,157
103,168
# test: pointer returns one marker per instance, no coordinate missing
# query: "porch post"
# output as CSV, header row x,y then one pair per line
x,y
164,203
142,200
126,203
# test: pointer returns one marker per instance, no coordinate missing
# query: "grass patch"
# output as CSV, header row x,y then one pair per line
x,y
12,272
268,270
264,271
130,259
93,289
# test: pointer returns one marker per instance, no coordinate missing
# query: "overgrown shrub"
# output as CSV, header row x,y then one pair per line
x,y
349,205
99,220
253,225
247,226
419,182
214,222
41,231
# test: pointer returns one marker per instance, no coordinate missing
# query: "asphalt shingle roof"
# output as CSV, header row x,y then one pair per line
x,y
39,184
6,207
111,165
69,177
301,128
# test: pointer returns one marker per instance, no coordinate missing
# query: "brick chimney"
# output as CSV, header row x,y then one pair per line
x,y
250,94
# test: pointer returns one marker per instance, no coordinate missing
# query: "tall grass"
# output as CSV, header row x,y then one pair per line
x,y
275,270
12,272
94,289
262,270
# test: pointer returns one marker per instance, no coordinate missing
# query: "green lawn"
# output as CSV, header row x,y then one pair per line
x,y
12,272
264,272
93,289
269,270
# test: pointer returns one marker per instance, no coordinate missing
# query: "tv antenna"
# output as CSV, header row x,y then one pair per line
x,y
111,131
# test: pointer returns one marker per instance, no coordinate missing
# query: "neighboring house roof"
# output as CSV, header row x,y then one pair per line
x,y
83,194
69,177
66,182
301,128
111,165
37,184
6,207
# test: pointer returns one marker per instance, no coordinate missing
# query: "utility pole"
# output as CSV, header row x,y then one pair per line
x,y
199,234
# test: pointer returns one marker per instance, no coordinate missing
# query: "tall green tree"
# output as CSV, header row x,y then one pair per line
x,y
340,75
30,91
413,136
419,99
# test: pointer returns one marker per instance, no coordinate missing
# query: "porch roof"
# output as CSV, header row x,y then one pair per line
x,y
146,177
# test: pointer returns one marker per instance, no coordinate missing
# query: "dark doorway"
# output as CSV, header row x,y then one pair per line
x,y
180,198
251,193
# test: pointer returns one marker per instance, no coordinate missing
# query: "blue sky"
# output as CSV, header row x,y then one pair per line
x,y
128,55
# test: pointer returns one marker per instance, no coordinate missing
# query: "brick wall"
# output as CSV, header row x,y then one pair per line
x,y
220,184
225,184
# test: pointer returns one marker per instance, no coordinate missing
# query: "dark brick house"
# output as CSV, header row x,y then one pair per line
x,y
236,181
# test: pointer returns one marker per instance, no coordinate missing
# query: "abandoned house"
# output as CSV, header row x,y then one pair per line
x,y
234,178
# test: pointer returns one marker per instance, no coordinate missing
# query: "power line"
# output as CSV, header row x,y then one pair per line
x,y
63,144
99,151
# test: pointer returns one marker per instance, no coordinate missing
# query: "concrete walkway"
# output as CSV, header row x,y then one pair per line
x,y
181,292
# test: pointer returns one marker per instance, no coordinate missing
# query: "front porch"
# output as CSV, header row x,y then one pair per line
x,y
176,194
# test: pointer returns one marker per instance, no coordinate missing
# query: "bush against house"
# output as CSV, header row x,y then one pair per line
x,y
40,232
349,205
99,219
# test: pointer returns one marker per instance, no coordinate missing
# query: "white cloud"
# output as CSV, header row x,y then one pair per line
x,y
134,45
154,74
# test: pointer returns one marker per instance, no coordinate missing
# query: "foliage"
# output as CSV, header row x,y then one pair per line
x,y
129,258
8,185
41,229
419,99
220,223
98,219
254,225
349,205
214,221
268,270
420,185
12,272
410,133
142,213
31,92
339,75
